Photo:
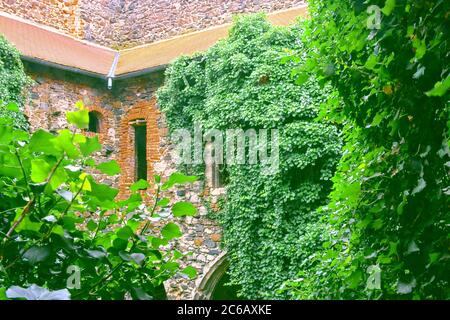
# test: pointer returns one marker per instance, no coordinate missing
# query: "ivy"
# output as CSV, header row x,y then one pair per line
x,y
13,82
389,213
64,235
269,221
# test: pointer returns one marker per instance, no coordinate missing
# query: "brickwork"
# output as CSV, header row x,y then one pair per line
x,y
146,111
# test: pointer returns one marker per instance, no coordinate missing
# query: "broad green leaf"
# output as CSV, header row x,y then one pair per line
x,y
171,231
163,202
3,294
64,141
125,233
388,7
90,146
28,225
102,192
91,225
140,185
36,254
178,178
40,170
59,230
79,118
181,209
440,88
420,46
42,141
190,271
12,107
110,168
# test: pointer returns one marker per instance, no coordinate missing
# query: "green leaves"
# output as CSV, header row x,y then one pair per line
x,y
190,271
440,88
182,209
90,146
171,231
140,185
110,168
79,118
388,7
178,178
40,170
35,255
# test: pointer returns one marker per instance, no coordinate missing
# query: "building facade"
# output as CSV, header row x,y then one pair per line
x,y
111,54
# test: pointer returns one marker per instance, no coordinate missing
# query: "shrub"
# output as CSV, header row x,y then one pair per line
x,y
389,212
60,228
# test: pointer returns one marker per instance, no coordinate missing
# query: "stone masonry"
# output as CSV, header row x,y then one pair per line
x,y
55,92
123,24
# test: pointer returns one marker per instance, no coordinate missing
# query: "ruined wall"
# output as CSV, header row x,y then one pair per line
x,y
60,14
146,21
126,23
55,92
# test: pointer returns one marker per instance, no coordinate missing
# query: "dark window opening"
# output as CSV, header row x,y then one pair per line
x,y
94,122
140,138
219,178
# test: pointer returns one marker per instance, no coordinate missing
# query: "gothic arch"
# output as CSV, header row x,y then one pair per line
x,y
205,286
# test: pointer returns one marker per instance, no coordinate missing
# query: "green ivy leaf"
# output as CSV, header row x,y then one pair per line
x,y
125,233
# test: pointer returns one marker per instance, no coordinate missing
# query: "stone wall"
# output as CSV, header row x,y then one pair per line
x,y
127,23
59,14
55,92
146,21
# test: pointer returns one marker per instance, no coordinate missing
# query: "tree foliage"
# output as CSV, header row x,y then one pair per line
x,y
13,81
269,221
60,228
389,214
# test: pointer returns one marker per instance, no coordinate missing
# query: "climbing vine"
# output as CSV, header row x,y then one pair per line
x,y
389,214
13,81
269,221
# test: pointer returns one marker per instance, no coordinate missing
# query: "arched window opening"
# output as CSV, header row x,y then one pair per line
x,y
94,122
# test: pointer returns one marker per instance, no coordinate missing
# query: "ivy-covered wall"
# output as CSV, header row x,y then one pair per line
x,y
12,81
269,221
389,214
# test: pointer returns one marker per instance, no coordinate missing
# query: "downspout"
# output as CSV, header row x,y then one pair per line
x,y
112,72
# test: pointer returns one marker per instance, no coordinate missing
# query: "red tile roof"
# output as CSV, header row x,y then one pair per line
x,y
48,45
